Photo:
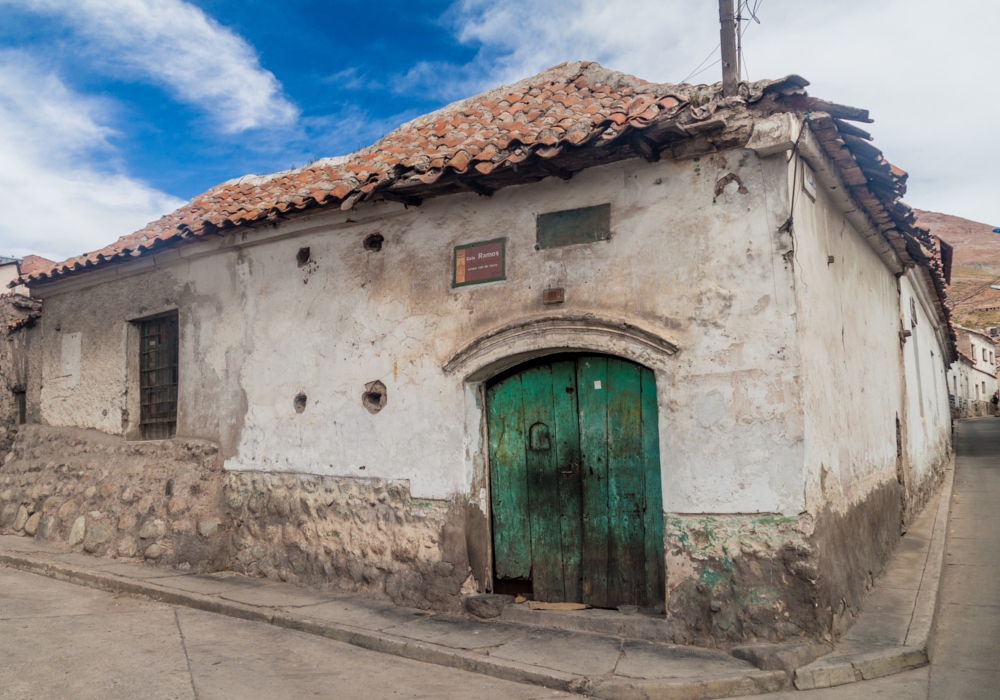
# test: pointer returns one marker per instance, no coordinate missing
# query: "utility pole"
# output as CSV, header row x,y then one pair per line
x,y
739,40
730,76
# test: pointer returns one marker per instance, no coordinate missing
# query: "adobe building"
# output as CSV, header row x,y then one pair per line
x,y
585,337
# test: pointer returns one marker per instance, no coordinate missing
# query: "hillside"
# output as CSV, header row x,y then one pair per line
x,y
975,267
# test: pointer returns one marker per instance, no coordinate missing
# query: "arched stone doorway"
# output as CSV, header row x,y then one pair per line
x,y
576,501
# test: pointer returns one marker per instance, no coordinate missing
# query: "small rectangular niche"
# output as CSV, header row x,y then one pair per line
x,y
574,226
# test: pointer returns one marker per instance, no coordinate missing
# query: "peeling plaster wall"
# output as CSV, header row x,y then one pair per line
x,y
780,400
851,363
928,414
696,263
777,574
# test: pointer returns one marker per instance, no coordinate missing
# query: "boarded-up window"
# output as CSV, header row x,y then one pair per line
x,y
573,226
158,377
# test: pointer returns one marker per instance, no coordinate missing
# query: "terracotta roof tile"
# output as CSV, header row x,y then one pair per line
x,y
570,106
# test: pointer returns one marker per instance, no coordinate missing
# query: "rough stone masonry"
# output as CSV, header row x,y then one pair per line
x,y
170,503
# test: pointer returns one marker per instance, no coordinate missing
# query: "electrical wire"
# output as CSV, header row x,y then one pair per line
x,y
696,71
713,63
979,291
742,32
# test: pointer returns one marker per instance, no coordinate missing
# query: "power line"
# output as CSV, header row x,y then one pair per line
x,y
752,12
696,71
978,291
710,65
740,58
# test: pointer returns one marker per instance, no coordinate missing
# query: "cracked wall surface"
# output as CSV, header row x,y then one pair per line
x,y
778,392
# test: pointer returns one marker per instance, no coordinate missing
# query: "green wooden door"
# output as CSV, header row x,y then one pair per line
x,y
575,481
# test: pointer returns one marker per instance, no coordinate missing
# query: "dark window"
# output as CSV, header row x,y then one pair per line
x,y
21,402
158,377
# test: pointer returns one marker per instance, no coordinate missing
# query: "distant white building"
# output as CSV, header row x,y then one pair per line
x,y
972,377
8,272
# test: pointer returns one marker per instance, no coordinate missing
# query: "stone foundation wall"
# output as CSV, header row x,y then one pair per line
x,y
100,494
362,535
171,503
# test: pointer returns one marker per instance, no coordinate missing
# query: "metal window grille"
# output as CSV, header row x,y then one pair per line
x,y
158,377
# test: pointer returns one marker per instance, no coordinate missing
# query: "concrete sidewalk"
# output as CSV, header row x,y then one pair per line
x,y
558,650
895,631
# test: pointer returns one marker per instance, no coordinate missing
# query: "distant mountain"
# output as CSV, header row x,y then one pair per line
x,y
975,267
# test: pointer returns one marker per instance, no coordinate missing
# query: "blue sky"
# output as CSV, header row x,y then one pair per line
x,y
114,112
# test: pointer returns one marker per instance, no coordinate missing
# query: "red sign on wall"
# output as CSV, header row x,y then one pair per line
x,y
476,263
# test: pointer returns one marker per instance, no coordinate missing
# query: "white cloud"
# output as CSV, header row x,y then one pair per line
x,y
175,44
56,202
923,69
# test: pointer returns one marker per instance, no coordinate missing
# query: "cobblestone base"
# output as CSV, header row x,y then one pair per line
x,y
170,502
89,491
361,535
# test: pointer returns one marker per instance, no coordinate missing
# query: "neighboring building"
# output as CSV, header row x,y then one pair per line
x,y
972,379
17,314
13,268
585,336
8,273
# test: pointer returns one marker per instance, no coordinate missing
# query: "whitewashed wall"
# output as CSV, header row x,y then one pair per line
x,y
848,319
703,271
928,415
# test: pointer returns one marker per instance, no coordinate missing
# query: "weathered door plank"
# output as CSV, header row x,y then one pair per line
x,y
567,421
543,487
509,480
626,486
653,515
592,401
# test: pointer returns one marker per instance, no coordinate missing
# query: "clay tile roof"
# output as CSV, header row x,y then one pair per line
x,y
569,117
482,134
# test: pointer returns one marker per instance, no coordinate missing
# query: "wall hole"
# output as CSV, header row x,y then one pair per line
x,y
302,257
299,402
374,398
170,487
373,242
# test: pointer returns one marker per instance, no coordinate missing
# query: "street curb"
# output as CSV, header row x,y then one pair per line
x,y
749,683
917,649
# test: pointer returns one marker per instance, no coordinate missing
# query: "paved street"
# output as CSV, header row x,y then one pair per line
x,y
59,640
966,662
